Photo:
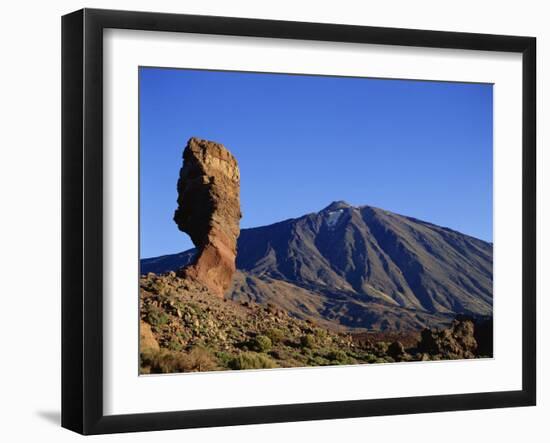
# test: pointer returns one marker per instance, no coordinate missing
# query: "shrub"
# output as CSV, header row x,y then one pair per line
x,y
166,361
251,360
322,335
156,316
223,358
160,287
339,357
183,335
174,345
163,361
381,347
307,341
371,358
201,359
318,361
260,343
194,307
275,335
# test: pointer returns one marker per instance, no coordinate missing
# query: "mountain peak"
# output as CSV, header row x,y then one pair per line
x,y
335,205
360,267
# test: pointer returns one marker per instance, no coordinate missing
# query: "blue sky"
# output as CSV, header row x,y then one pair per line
x,y
422,149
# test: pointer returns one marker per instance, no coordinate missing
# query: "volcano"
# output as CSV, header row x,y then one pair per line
x,y
360,269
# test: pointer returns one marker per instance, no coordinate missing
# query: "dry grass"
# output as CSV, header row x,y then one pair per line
x,y
165,361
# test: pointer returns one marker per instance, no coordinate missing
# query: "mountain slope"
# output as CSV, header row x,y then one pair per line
x,y
359,267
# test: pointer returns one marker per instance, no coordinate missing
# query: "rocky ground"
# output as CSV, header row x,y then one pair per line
x,y
185,328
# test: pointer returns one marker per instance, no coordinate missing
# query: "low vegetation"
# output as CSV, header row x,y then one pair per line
x,y
187,329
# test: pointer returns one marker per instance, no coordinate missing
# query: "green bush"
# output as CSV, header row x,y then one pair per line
x,y
224,358
251,360
156,316
276,335
260,343
318,361
371,358
174,345
381,348
307,341
337,355
321,335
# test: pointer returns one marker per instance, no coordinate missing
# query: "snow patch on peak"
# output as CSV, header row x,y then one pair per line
x,y
333,217
335,205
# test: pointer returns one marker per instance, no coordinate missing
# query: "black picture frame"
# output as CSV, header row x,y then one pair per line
x,y
82,215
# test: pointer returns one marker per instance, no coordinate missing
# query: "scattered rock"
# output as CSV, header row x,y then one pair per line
x,y
189,319
396,350
185,321
453,343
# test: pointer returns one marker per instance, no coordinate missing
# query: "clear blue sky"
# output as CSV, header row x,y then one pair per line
x,y
422,149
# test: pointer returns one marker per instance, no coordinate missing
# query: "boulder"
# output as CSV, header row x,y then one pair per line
x,y
456,342
147,341
396,350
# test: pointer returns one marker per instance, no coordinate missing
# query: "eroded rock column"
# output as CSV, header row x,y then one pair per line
x,y
209,211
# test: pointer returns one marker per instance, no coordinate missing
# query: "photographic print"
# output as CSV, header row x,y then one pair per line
x,y
304,220
311,205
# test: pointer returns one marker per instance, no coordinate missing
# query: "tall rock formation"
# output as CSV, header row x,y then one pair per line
x,y
209,211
